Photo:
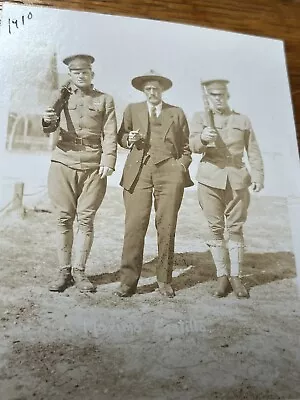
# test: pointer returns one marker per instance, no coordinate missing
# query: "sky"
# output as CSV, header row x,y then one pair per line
x,y
127,47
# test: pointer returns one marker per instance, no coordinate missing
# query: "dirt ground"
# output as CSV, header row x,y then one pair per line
x,y
97,346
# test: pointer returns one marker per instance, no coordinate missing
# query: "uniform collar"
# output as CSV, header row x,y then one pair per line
x,y
225,113
75,89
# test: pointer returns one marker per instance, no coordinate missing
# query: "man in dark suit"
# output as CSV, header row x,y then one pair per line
x,y
157,135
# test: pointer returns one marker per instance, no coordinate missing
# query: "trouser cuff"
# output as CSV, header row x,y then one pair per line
x,y
78,268
64,267
215,243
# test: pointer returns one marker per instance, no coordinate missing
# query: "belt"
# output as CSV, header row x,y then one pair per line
x,y
228,160
82,141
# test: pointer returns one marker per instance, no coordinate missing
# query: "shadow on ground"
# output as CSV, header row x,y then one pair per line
x,y
259,269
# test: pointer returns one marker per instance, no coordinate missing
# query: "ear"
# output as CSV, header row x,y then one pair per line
x,y
93,74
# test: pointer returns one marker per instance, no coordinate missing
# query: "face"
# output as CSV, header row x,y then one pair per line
x,y
153,91
82,78
219,99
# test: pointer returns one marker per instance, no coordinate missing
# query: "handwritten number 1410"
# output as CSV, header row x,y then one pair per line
x,y
20,22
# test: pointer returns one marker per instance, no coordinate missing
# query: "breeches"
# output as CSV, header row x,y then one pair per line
x,y
224,208
75,193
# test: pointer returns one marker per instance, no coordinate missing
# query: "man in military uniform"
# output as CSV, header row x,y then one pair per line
x,y
157,135
224,181
84,156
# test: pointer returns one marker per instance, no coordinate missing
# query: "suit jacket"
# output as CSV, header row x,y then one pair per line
x,y
225,161
176,138
91,116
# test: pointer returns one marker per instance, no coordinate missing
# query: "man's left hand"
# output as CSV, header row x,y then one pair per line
x,y
105,171
256,187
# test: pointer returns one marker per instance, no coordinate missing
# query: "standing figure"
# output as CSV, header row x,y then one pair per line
x,y
157,135
85,154
224,180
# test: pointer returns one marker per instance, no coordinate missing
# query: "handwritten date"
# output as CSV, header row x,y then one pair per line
x,y
17,23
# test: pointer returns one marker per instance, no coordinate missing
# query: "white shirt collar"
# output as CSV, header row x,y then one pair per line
x,y
158,108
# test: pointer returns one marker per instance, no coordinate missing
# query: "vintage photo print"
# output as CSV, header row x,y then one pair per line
x,y
149,202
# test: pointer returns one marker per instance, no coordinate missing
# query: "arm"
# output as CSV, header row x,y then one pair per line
x,y
254,156
197,127
50,119
125,128
109,135
186,157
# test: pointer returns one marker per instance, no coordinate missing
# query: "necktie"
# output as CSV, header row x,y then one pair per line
x,y
153,112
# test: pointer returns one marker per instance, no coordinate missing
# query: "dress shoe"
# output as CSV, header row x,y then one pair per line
x,y
82,282
124,291
222,286
238,288
62,280
165,289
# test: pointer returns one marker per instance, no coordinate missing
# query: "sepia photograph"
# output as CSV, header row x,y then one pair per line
x,y
149,193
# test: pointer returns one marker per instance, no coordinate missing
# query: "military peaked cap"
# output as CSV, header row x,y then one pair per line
x,y
215,84
79,61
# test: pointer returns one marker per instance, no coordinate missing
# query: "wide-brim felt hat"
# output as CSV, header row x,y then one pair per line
x,y
79,61
139,81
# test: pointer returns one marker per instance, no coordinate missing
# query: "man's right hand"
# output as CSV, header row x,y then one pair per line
x,y
208,135
134,137
49,116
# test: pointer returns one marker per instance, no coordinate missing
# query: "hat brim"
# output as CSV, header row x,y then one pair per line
x,y
139,81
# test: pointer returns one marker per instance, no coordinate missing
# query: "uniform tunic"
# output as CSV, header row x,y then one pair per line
x,y
222,175
88,131
89,115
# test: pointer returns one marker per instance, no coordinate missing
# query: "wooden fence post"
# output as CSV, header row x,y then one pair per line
x,y
17,202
